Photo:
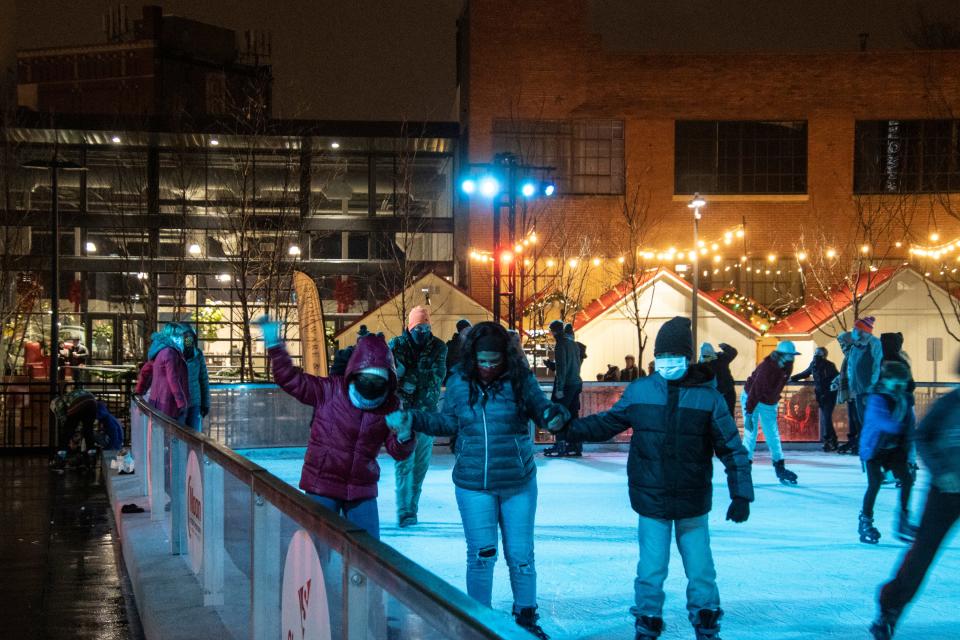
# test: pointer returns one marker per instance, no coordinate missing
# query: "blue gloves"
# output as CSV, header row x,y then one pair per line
x,y
401,423
271,331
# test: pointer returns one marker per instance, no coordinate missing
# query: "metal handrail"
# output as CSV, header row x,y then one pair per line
x,y
443,606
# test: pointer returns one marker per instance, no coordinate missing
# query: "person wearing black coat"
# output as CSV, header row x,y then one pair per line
x,y
679,423
824,372
719,364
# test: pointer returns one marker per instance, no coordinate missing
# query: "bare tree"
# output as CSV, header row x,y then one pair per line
x,y
842,268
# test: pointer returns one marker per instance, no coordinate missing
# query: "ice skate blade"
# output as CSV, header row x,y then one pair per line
x,y
869,540
788,483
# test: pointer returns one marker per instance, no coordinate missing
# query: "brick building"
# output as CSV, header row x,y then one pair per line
x,y
158,65
790,145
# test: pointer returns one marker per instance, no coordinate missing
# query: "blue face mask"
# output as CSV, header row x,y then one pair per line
x,y
420,333
671,368
364,404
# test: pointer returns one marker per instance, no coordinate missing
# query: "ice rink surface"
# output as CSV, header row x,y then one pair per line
x,y
795,569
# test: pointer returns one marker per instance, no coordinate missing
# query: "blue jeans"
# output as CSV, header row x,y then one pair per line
x,y
193,418
693,541
514,511
363,513
766,415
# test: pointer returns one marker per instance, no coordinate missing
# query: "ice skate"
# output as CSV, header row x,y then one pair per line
x,y
784,475
868,533
709,626
883,626
830,444
527,618
906,532
558,450
648,628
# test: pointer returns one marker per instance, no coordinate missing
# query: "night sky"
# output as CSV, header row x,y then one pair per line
x,y
395,59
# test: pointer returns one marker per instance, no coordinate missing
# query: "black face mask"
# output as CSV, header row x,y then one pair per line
x,y
188,352
369,386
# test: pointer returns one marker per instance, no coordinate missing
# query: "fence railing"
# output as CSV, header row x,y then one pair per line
x,y
25,409
273,563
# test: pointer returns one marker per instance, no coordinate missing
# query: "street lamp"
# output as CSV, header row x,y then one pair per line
x,y
697,203
54,165
502,182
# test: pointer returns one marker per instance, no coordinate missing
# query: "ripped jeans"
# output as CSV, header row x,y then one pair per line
x,y
514,511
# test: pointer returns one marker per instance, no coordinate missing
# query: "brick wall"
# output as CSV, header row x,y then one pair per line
x,y
536,59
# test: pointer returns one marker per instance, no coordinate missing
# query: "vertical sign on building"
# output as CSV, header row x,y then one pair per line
x,y
194,512
313,336
305,612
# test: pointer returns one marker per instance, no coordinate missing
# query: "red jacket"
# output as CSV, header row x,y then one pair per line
x,y
341,458
766,383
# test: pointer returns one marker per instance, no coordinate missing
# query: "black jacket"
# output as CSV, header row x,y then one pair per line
x,y
677,428
823,372
721,371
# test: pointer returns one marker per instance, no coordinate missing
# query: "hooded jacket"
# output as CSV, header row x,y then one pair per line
x,y
424,368
892,347
494,449
720,366
169,389
882,430
863,365
568,357
766,383
341,458
197,376
677,428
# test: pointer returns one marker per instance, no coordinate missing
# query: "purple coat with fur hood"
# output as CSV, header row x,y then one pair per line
x,y
341,458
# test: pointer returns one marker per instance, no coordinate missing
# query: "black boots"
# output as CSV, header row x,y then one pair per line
x,y
648,628
882,628
868,533
784,475
709,626
527,618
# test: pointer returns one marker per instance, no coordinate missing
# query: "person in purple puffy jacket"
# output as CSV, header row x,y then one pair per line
x,y
340,469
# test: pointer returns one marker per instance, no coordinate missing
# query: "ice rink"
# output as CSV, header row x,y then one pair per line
x,y
796,569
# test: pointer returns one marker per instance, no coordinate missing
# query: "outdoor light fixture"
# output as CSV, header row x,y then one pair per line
x,y
469,186
223,277
294,250
696,203
528,189
91,248
214,142
489,186
549,188
194,249
334,145
115,139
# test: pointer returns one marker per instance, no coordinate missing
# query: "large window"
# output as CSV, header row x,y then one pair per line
x,y
587,154
749,157
907,156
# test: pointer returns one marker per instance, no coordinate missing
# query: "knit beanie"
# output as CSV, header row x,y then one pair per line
x,y
556,327
491,342
418,315
462,324
865,324
674,337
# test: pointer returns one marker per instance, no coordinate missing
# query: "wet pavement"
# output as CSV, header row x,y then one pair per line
x,y
59,575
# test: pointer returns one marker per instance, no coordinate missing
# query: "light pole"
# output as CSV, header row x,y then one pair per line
x,y
54,165
696,204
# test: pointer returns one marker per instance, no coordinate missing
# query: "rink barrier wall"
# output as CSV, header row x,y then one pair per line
x,y
261,415
271,562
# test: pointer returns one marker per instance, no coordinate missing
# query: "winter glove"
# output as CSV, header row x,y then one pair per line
x,y
401,423
271,331
739,510
555,417
204,411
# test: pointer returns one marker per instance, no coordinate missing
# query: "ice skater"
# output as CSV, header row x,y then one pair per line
x,y
719,363
421,359
884,446
567,384
864,356
491,396
824,373
340,470
759,400
679,422
938,444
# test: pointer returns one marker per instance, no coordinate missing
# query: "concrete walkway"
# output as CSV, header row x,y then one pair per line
x,y
59,573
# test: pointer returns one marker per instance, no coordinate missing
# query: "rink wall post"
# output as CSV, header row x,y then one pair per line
x,y
178,498
156,455
358,603
213,537
266,582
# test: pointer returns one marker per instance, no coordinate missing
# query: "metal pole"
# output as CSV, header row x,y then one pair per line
x,y
54,300
512,234
496,259
696,276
